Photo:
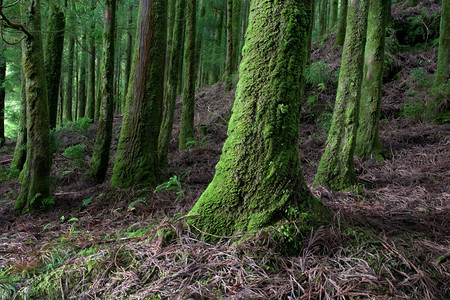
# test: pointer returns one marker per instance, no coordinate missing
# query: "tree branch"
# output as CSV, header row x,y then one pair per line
x,y
11,24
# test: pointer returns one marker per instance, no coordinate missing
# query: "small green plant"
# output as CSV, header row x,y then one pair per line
x,y
7,175
317,73
413,110
76,154
325,121
194,143
173,184
81,126
420,79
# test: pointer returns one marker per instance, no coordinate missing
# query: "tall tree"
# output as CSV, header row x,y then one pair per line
x,y
82,79
35,189
2,95
53,57
68,99
443,67
128,52
172,84
333,14
187,115
137,156
90,104
259,176
236,16
322,17
100,154
342,25
336,168
229,58
367,137
20,151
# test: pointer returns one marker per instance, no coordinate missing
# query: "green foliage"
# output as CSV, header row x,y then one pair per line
x,y
195,143
81,126
7,175
173,184
76,154
318,75
325,121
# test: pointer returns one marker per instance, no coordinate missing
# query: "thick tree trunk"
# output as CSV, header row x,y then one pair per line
x,y
35,189
137,156
53,58
187,115
229,58
82,80
90,105
100,155
367,138
342,25
2,96
20,151
171,95
440,86
336,168
258,176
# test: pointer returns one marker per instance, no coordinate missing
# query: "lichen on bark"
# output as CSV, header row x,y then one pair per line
x,y
259,176
336,167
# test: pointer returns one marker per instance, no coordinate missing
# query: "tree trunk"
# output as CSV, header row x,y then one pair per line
x,y
236,36
258,177
82,80
229,58
2,95
322,18
187,115
68,99
90,105
137,156
309,32
20,152
171,95
53,58
129,54
342,26
440,86
336,168
367,138
35,189
333,14
100,155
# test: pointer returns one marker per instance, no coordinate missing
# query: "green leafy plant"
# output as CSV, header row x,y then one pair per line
x,y
81,126
173,184
317,74
76,154
325,121
8,174
194,143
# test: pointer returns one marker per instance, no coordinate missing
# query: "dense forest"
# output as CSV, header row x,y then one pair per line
x,y
224,149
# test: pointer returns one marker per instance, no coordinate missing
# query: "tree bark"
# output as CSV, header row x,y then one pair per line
x,y
129,54
229,58
82,81
342,25
100,155
2,95
90,105
35,189
20,151
53,58
236,36
333,14
137,156
171,95
322,17
367,138
259,176
187,115
68,99
336,168
441,86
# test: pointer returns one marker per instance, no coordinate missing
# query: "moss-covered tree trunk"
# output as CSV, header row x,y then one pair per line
x,y
229,57
333,14
342,25
258,176
68,99
310,30
100,155
20,151
90,105
187,115
236,34
137,156
322,17
336,168
82,80
128,53
2,95
35,189
176,55
443,67
53,57
367,138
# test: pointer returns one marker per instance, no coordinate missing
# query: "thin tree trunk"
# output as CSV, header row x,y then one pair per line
x,y
35,190
322,18
68,99
229,58
336,168
2,95
137,156
100,155
367,138
440,90
171,95
82,80
342,25
236,36
333,14
129,53
187,115
53,58
20,152
90,105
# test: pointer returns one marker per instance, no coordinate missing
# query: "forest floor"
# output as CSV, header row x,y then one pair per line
x,y
104,243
